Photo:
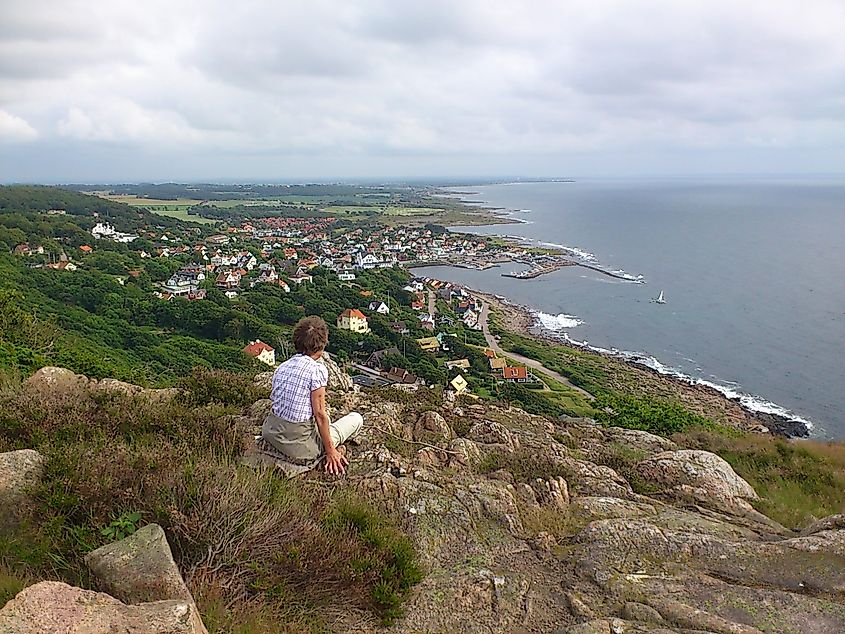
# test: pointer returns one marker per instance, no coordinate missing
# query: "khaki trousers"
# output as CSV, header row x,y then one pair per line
x,y
301,442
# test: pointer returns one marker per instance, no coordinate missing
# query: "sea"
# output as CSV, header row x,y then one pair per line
x,y
752,271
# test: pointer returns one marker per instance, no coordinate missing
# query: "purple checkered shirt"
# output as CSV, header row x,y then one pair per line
x,y
293,382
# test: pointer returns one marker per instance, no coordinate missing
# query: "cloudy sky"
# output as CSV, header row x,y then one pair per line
x,y
94,91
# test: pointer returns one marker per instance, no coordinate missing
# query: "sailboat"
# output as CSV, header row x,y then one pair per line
x,y
659,299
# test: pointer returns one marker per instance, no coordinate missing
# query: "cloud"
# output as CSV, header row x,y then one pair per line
x,y
330,83
14,128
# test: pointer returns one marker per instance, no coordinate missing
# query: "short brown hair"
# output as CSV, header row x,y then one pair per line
x,y
310,335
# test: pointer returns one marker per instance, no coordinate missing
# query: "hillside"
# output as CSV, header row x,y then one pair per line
x,y
454,516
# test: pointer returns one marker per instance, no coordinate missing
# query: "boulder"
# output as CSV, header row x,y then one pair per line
x,y
831,522
591,508
339,380
51,606
139,569
553,492
700,475
432,427
54,377
263,380
639,440
488,432
19,470
466,453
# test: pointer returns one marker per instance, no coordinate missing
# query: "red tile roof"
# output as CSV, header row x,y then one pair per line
x,y
514,373
353,312
256,348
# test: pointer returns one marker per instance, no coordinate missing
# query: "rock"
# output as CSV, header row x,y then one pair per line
x,y
525,494
139,569
263,380
687,616
640,440
19,470
597,626
577,607
831,522
634,611
553,493
53,607
53,377
702,475
339,380
588,478
600,508
258,411
432,427
467,453
488,432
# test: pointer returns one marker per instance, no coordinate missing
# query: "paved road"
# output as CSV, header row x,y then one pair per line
x,y
531,363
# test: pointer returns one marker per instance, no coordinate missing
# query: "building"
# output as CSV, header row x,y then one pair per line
x,y
374,360
429,344
497,363
261,351
346,275
516,374
379,307
459,384
458,363
401,375
400,327
354,320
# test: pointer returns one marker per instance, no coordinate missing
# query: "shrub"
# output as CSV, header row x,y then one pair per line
x,y
204,386
655,415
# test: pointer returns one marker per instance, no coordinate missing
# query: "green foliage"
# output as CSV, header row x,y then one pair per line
x,y
651,414
121,526
204,386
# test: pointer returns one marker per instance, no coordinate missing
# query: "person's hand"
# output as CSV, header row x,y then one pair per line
x,y
336,462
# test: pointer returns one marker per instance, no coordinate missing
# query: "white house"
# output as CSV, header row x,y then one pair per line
x,y
354,320
379,307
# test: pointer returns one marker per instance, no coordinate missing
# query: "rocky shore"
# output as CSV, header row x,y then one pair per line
x,y
521,321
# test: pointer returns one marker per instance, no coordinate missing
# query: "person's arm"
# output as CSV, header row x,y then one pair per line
x,y
335,461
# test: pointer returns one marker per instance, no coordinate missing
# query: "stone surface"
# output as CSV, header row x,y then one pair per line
x,y
53,377
19,470
700,475
52,607
432,427
339,381
488,432
139,568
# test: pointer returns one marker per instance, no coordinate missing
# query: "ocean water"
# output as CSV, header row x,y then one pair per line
x,y
753,273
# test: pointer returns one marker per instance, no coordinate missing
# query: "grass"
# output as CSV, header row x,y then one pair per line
x,y
253,547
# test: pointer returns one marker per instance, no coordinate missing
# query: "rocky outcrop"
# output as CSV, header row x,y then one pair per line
x,y
62,379
432,427
699,476
140,569
52,607
338,379
19,471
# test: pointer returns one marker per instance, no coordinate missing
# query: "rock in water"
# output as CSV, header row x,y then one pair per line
x,y
19,470
140,569
52,607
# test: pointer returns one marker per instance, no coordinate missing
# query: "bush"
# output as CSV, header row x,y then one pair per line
x,y
204,386
646,413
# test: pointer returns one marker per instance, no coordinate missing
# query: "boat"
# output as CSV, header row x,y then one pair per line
x,y
659,299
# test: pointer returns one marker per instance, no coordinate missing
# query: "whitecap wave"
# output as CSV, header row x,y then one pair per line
x,y
558,322
731,391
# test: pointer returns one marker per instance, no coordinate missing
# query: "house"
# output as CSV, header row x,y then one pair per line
x,y
498,363
354,320
401,375
196,295
368,261
417,305
429,343
379,307
228,280
85,248
301,277
346,275
261,351
458,363
400,327
516,374
459,383
471,320
490,354
374,360
62,266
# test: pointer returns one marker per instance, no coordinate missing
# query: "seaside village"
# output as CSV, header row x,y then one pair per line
x,y
284,251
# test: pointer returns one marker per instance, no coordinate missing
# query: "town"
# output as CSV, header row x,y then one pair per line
x,y
425,316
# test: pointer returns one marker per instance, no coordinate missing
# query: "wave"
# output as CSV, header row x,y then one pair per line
x,y
556,323
729,389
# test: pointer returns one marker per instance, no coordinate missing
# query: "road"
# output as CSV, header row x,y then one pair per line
x,y
432,303
531,363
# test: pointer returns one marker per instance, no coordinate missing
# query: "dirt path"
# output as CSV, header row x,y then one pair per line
x,y
432,304
531,363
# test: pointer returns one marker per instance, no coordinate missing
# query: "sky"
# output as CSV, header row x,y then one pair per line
x,y
276,91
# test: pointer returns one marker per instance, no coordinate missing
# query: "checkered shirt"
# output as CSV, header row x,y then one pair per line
x,y
293,382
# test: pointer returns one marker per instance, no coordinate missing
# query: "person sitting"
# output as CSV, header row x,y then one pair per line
x,y
298,426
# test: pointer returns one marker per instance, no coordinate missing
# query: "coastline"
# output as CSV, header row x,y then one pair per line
x,y
523,321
